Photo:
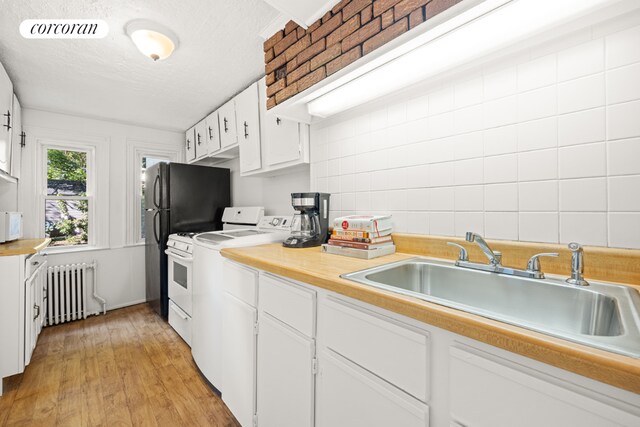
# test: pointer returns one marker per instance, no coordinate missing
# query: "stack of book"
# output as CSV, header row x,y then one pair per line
x,y
361,236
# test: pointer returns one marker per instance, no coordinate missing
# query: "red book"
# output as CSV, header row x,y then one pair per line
x,y
357,245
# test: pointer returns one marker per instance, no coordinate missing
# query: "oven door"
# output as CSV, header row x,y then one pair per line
x,y
180,279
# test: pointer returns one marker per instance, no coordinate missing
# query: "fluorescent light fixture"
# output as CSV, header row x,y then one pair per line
x,y
508,22
152,40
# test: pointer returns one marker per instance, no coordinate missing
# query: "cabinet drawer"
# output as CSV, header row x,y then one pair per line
x,y
350,396
395,352
180,322
289,303
489,391
241,282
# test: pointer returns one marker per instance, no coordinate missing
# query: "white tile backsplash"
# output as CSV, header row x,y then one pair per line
x,y
622,120
623,84
544,149
538,134
624,230
581,60
583,195
582,127
586,228
622,157
581,94
623,48
580,161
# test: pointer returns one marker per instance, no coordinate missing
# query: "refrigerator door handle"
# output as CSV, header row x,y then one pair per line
x,y
155,187
155,228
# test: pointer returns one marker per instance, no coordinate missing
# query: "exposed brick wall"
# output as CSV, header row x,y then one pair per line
x,y
296,59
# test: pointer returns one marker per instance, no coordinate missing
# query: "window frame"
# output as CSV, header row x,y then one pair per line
x,y
137,153
90,197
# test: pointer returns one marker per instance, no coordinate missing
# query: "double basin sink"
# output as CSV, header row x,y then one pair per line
x,y
604,316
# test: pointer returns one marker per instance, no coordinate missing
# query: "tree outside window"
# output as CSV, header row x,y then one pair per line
x,y
66,201
146,162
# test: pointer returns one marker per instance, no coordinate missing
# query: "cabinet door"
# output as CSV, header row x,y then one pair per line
x,y
282,140
6,120
201,139
239,359
16,139
32,314
486,391
227,118
190,146
285,375
351,396
248,115
213,132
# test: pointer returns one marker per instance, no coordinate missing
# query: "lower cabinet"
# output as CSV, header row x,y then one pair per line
x,y
349,395
285,375
297,356
486,391
240,318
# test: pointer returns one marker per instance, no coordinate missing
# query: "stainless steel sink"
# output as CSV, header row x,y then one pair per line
x,y
600,315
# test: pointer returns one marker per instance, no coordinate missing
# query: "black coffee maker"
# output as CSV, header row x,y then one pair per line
x,y
311,221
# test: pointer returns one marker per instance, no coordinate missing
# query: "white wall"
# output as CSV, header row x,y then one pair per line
x,y
274,193
542,146
120,264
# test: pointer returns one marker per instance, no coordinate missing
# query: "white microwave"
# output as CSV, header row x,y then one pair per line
x,y
10,226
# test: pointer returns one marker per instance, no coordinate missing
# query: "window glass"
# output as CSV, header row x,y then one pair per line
x,y
147,161
66,218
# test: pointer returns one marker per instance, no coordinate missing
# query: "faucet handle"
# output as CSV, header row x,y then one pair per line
x,y
534,262
462,256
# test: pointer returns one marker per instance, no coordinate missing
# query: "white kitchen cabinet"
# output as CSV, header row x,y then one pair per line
x,y
200,138
212,132
487,391
349,395
189,144
240,319
17,139
286,353
285,375
228,130
372,341
6,116
22,310
248,124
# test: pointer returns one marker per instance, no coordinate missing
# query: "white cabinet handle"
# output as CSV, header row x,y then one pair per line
x,y
179,312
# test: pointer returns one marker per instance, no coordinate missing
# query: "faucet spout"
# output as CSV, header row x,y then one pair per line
x,y
494,258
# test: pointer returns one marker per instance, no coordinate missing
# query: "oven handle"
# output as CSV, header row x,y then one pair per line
x,y
179,312
177,255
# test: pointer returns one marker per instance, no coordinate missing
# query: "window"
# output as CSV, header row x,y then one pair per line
x,y
68,197
145,162
142,155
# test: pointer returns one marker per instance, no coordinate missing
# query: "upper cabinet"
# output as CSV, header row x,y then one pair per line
x,y
248,121
304,13
17,138
6,100
190,146
266,143
227,118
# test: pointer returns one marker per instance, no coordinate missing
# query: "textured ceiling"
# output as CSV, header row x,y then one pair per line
x,y
220,53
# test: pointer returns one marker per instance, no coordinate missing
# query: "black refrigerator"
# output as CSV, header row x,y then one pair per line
x,y
178,198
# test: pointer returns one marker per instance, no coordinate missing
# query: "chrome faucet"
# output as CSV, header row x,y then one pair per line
x,y
577,265
495,260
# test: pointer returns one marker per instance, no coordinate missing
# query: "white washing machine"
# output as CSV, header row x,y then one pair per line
x,y
238,231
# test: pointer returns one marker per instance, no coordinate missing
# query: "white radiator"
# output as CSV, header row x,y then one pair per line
x,y
68,287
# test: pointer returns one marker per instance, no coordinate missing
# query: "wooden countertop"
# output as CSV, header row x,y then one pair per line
x,y
324,270
23,246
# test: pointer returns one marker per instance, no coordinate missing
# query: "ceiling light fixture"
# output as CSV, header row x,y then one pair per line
x,y
152,39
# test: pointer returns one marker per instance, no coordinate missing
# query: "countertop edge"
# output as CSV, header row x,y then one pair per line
x,y
610,368
24,247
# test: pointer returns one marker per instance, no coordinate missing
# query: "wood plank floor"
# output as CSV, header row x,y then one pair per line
x,y
128,368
